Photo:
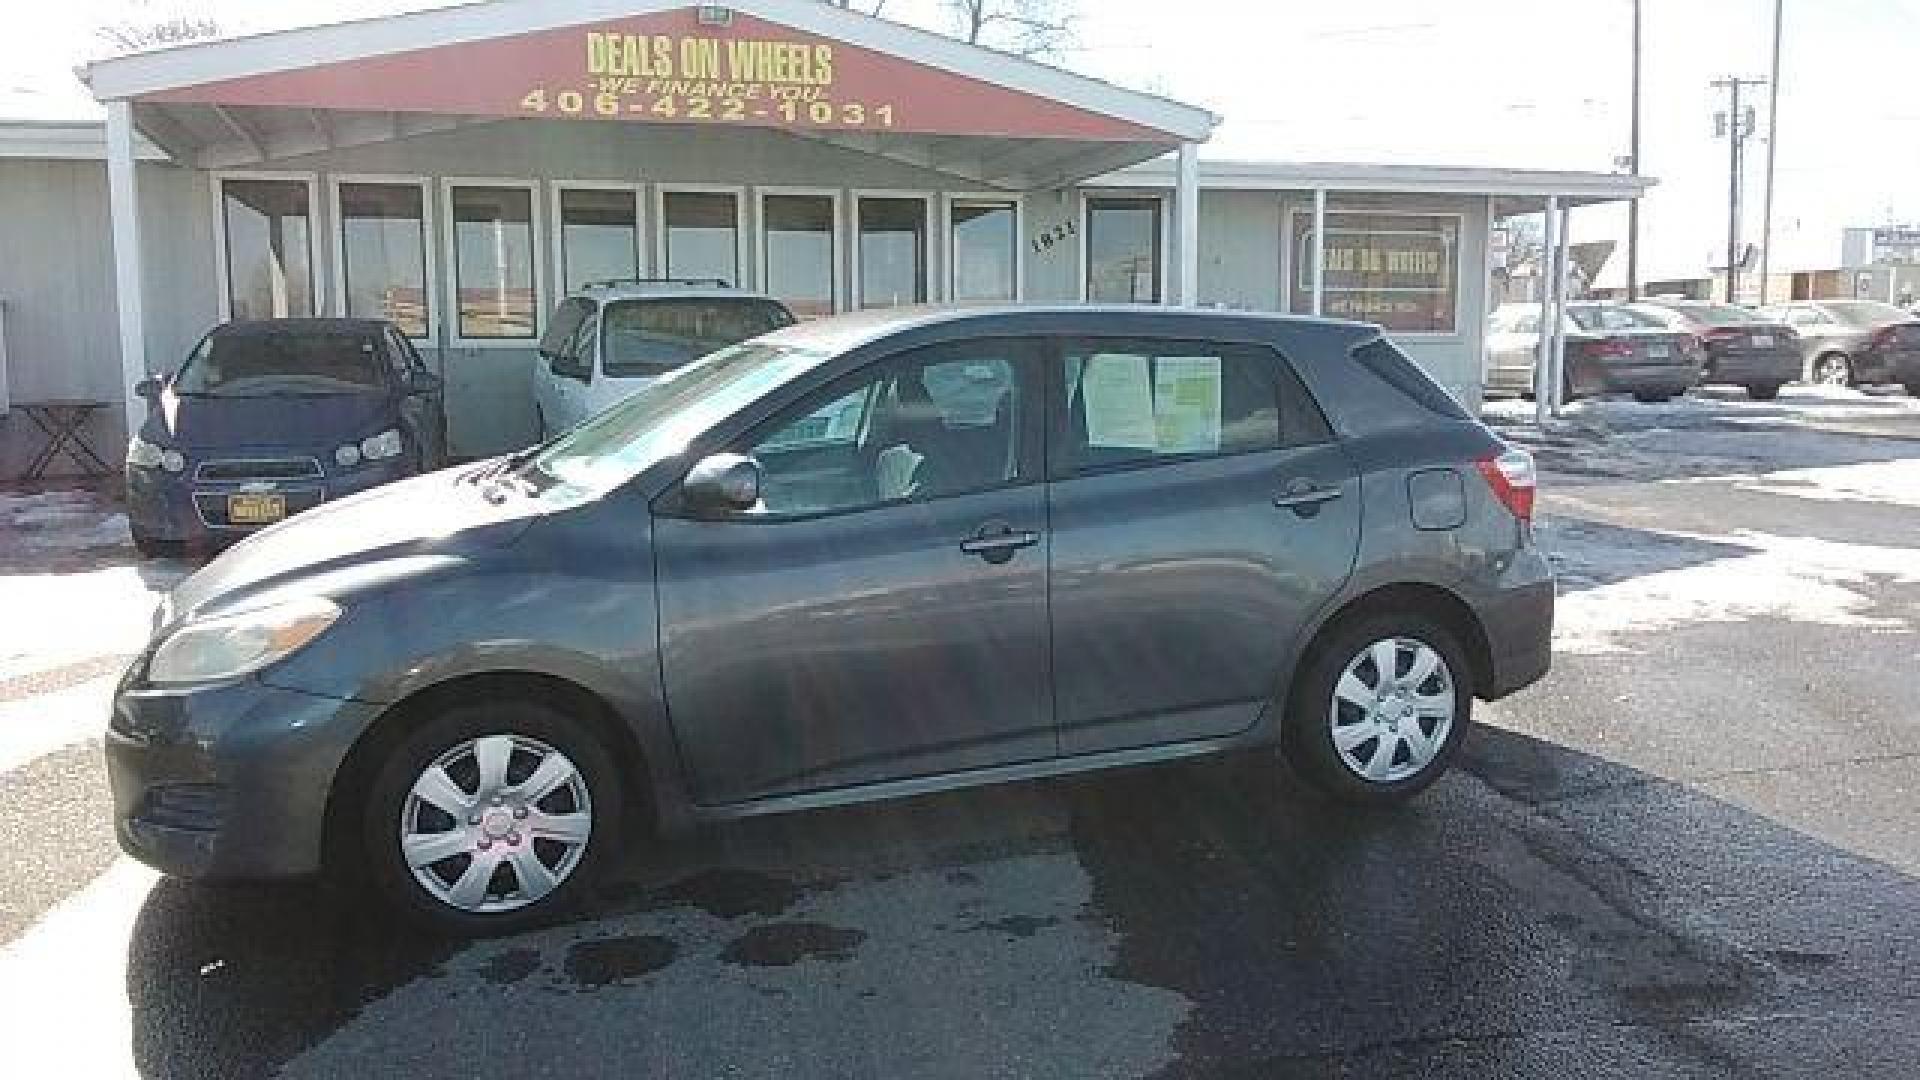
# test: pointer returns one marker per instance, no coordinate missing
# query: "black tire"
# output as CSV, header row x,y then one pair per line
x,y
377,861
1651,397
1308,736
1763,391
1913,389
149,548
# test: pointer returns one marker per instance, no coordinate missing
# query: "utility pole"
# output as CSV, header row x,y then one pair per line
x,y
1773,143
1736,125
1633,168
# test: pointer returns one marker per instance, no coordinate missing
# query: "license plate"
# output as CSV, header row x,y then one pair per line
x,y
256,508
1658,352
1763,341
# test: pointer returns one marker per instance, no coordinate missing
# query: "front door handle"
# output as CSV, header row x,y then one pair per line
x,y
996,544
1304,497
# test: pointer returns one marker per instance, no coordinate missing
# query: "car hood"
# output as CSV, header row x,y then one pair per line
x,y
317,422
437,519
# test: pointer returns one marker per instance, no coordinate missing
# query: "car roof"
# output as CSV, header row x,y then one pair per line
x,y
847,331
259,327
646,288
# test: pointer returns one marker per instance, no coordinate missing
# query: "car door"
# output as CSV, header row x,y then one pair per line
x,y
882,613
1201,514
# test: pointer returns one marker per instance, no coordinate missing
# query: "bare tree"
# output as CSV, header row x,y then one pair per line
x,y
146,27
870,7
1022,27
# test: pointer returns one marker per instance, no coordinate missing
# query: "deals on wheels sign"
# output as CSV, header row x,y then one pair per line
x,y
1398,270
670,67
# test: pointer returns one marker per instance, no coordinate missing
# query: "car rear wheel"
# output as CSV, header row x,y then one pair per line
x,y
1380,708
493,818
1763,391
1833,369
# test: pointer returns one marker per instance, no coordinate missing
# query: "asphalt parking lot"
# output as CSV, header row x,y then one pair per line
x,y
1690,852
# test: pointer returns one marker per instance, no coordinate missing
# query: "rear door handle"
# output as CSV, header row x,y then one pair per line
x,y
998,545
1303,495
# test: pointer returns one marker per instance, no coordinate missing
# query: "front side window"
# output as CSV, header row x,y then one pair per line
x,y
986,250
646,338
1129,403
892,251
289,362
930,424
1123,251
269,248
599,236
701,234
797,236
384,254
493,261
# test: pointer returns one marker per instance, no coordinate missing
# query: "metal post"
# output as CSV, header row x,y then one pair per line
x,y
1733,196
1773,140
1543,348
1556,373
1319,250
123,207
1187,215
1633,169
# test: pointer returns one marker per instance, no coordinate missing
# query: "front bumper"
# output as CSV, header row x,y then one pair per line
x,y
227,781
182,509
1647,378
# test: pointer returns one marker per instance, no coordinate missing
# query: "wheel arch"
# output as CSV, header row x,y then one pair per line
x,y
1435,601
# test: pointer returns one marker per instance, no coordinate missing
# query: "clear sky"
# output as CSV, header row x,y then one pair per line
x,y
1520,83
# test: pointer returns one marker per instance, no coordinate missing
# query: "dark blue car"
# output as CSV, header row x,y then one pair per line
x,y
266,419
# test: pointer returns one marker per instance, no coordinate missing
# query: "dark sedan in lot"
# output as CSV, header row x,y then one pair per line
x,y
1610,349
1743,349
857,559
270,418
1855,342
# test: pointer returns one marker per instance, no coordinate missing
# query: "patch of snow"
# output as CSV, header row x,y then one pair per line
x,y
61,520
1894,482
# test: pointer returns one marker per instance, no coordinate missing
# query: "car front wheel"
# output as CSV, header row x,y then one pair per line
x,y
1380,708
1833,369
492,818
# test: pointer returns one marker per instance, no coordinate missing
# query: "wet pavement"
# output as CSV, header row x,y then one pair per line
x,y
1689,852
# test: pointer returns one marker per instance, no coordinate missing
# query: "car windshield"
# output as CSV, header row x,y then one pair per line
x,y
648,337
282,362
657,421
1867,312
1612,320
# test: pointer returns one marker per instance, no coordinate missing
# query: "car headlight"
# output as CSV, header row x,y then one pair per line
x,y
348,456
387,444
146,455
231,645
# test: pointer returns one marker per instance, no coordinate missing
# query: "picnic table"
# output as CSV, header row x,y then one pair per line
x,y
62,423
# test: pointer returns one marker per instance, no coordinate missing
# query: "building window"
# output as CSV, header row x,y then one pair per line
x,y
797,237
1123,251
1398,270
384,254
985,246
493,262
599,236
700,234
269,248
893,251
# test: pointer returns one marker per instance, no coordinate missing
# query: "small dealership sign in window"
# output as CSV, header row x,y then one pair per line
x,y
1398,270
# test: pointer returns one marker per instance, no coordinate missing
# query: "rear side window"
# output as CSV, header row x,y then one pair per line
x,y
566,320
1612,320
1393,368
652,336
1125,403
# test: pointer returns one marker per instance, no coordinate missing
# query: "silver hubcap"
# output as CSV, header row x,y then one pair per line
x,y
1392,709
496,823
1833,371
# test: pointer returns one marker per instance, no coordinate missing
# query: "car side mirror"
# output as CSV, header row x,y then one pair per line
x,y
421,381
722,483
148,388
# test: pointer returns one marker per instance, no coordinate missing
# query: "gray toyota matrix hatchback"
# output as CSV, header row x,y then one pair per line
x,y
867,557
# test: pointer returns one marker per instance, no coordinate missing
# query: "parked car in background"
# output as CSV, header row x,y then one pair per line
x,y
875,556
1610,348
611,338
267,419
1742,347
1854,342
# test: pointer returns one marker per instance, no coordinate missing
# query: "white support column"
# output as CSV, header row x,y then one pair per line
x,y
1562,273
1319,250
123,206
1186,209
1549,314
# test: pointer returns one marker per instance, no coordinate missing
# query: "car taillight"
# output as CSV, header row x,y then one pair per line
x,y
1607,347
1511,476
1717,335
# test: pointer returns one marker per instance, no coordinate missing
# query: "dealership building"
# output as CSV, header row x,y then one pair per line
x,y
458,170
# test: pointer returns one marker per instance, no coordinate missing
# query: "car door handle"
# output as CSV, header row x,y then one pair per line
x,y
997,546
1304,494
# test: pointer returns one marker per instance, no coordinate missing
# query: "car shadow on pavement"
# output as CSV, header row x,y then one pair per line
x,y
1539,903
1587,554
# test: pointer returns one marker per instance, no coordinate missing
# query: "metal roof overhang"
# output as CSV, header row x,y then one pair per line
x,y
981,116
1514,191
